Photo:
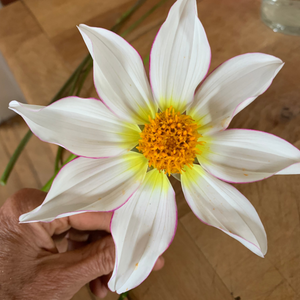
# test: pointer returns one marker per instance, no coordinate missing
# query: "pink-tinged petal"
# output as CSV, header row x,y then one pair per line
x,y
85,127
239,155
91,185
142,229
220,205
180,57
231,87
119,75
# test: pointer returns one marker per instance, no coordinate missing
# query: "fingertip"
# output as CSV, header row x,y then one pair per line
x,y
159,264
91,221
98,288
23,201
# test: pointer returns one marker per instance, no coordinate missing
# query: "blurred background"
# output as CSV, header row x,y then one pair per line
x,y
39,49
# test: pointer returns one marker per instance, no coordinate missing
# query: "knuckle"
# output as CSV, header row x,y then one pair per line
x,y
23,201
105,258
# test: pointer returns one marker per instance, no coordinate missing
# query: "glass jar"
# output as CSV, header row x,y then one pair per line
x,y
282,15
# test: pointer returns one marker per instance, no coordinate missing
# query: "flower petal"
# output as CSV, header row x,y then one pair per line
x,y
291,170
180,57
220,205
231,87
119,75
91,185
85,127
142,229
240,155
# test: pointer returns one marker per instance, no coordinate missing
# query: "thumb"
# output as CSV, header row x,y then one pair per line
x,y
74,269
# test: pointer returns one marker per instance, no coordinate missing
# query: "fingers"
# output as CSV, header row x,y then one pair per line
x,y
91,221
84,222
84,264
99,285
159,264
99,288
23,201
26,200
77,239
77,235
90,263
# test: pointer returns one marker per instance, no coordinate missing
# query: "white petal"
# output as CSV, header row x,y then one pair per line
x,y
85,127
231,87
220,205
291,170
91,185
142,229
180,57
240,155
119,75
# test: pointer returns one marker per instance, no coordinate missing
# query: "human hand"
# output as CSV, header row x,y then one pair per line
x,y
52,261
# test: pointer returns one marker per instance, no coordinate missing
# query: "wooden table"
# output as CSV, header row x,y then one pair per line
x,y
42,47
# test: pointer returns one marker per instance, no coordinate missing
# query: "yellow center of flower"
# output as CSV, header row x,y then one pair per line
x,y
169,141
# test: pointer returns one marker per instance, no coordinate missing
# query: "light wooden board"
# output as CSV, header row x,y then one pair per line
x,y
58,16
187,275
86,294
34,61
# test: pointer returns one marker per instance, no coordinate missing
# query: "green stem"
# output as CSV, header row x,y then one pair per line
x,y
141,19
47,186
70,80
74,84
14,157
126,15
58,159
146,59
28,135
123,296
87,59
71,157
59,94
83,78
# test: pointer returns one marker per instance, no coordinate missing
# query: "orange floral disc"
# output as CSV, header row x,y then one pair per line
x,y
169,141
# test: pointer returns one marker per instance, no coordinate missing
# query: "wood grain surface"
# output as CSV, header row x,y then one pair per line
x,y
42,46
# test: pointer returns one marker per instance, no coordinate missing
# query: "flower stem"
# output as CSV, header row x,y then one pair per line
x,y
28,135
47,186
14,157
146,59
74,84
60,93
142,18
74,76
123,296
71,157
58,159
84,76
127,14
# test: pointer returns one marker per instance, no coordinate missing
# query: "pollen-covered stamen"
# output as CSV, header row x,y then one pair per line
x,y
169,141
